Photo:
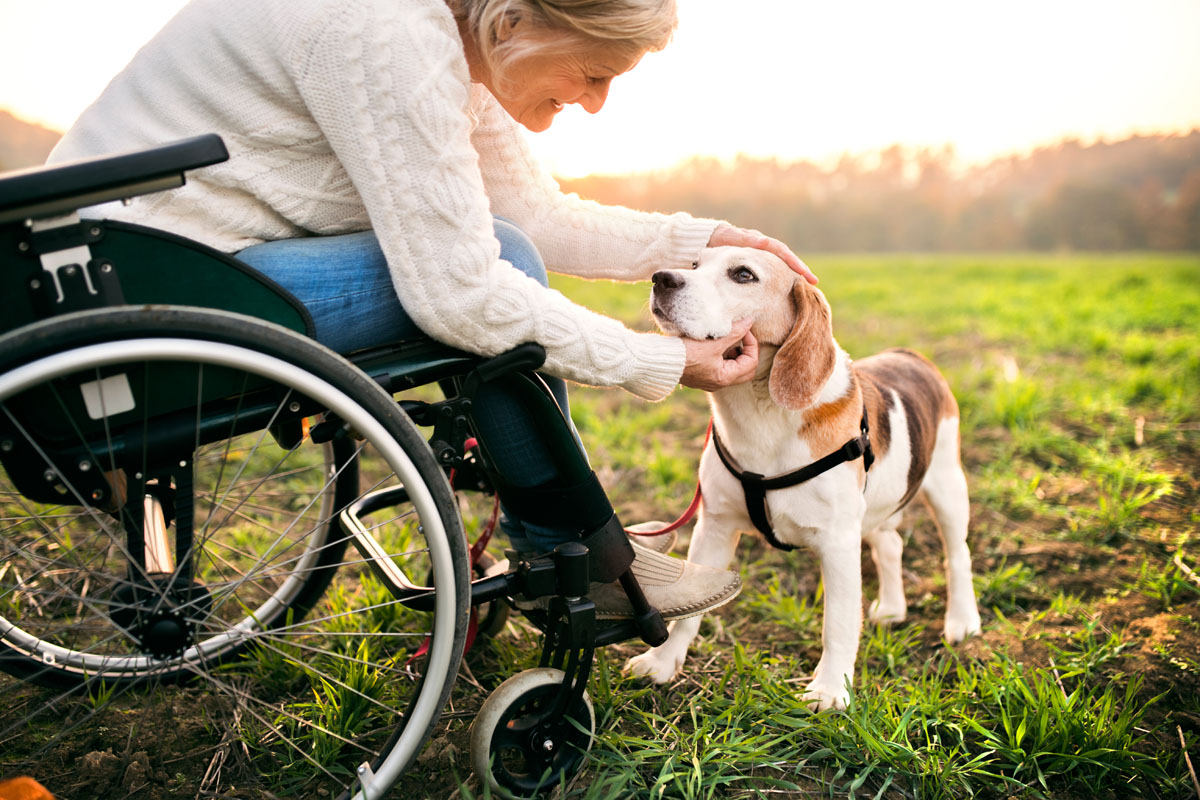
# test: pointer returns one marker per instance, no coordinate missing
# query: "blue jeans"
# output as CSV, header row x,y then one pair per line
x,y
345,284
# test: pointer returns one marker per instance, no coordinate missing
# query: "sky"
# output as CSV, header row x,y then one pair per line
x,y
790,79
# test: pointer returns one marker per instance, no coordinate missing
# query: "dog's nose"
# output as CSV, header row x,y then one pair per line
x,y
666,279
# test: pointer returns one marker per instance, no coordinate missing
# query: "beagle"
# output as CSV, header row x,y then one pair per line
x,y
809,403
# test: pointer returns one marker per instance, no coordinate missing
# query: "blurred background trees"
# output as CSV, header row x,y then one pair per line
x,y
1137,193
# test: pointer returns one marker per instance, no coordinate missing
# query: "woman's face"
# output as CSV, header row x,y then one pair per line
x,y
537,86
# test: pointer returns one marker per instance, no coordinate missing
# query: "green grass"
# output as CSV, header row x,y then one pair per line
x,y
1078,378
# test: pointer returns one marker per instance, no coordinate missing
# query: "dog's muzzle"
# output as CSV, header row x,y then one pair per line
x,y
662,295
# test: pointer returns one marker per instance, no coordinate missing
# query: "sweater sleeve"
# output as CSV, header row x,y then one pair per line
x,y
576,236
387,84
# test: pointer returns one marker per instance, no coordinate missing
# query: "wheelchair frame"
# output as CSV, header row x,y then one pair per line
x,y
92,308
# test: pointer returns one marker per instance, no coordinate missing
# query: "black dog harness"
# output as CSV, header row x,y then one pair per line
x,y
756,486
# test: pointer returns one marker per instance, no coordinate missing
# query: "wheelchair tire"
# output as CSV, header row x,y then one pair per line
x,y
517,749
327,682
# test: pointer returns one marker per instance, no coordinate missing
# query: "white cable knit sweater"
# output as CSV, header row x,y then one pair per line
x,y
347,115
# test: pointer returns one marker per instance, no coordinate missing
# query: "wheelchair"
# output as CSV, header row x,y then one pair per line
x,y
196,495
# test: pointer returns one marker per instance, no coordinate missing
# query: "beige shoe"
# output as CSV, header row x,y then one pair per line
x,y
677,588
662,543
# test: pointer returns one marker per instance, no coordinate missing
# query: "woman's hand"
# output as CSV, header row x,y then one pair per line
x,y
726,234
707,366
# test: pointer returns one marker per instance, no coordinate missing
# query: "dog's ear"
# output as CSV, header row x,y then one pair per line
x,y
806,358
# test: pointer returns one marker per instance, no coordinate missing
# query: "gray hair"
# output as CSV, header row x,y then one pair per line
x,y
630,27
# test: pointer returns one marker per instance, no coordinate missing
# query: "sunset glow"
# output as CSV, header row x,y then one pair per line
x,y
790,80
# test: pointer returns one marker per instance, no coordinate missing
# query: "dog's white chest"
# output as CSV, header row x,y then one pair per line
x,y
796,513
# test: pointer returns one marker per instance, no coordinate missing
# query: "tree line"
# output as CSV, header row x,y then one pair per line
x,y
1138,193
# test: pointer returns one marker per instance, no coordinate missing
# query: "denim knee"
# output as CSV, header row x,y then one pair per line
x,y
518,249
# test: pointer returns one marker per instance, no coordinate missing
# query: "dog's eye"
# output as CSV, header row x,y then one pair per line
x,y
695,265
742,275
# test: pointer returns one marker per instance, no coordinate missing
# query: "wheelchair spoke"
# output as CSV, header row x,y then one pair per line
x,y
288,563
33,557
65,593
251,699
279,569
394,672
362,634
329,677
89,512
205,548
283,534
12,496
262,436
83,441
64,588
358,610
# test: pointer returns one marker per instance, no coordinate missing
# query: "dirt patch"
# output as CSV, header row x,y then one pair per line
x,y
151,747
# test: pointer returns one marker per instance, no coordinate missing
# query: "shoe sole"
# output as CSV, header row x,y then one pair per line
x,y
611,615
538,605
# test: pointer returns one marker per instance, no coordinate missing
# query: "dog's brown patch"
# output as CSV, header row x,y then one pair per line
x,y
830,425
926,398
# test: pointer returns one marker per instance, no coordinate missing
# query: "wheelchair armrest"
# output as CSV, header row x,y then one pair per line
x,y
51,190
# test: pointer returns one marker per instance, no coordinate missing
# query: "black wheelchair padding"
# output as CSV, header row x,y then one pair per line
x,y
45,191
154,268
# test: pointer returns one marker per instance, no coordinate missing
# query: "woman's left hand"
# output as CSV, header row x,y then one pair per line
x,y
728,235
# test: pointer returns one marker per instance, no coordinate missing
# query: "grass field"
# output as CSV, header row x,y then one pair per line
x,y
1078,378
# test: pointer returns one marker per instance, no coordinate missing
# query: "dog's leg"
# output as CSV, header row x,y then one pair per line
x,y
886,550
713,544
945,487
840,552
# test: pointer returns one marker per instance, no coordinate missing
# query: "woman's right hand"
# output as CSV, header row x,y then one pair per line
x,y
708,368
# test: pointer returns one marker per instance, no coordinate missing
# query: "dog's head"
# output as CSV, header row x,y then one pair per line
x,y
727,284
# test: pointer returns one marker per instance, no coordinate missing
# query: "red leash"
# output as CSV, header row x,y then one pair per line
x,y
476,551
691,509
486,536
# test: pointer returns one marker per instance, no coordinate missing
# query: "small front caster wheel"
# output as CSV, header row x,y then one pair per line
x,y
517,748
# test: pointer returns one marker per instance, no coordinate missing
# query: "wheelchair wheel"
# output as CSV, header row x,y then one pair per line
x,y
170,492
517,748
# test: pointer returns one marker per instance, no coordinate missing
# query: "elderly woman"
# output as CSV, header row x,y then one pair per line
x,y
377,171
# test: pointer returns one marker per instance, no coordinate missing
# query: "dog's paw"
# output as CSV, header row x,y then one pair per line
x,y
960,626
880,614
658,667
822,697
